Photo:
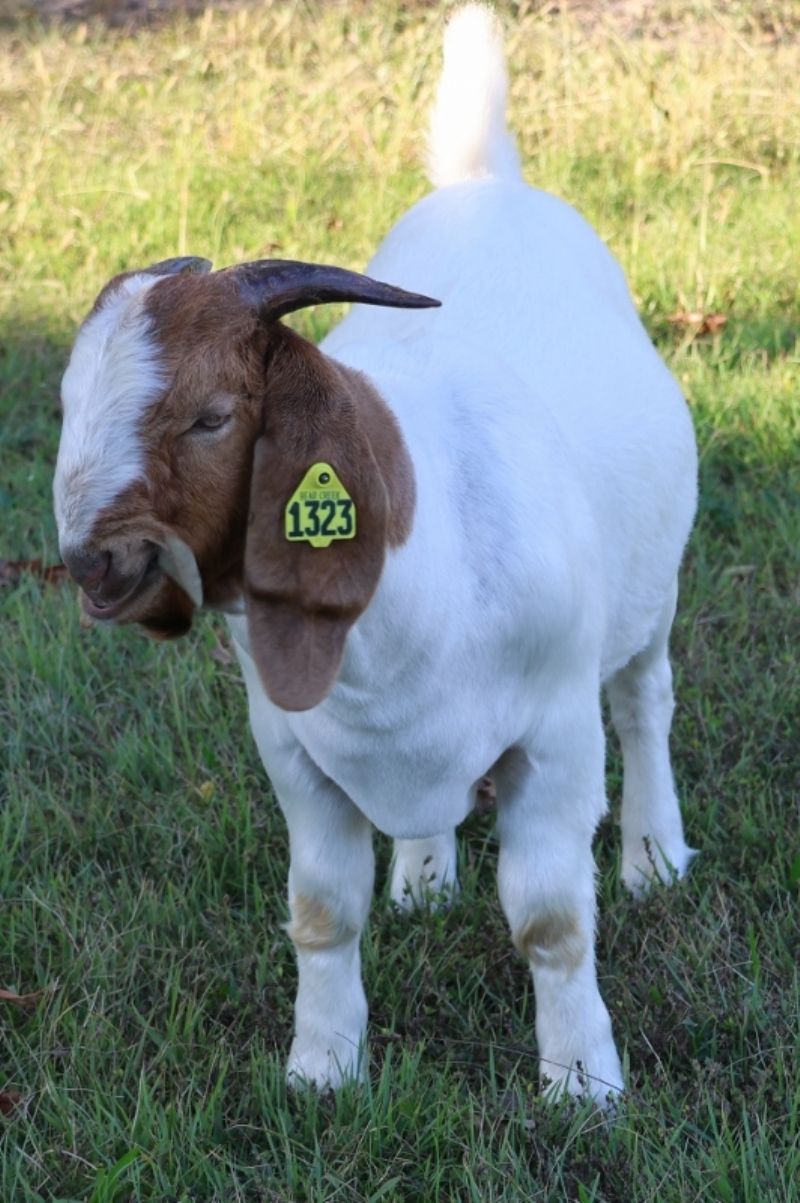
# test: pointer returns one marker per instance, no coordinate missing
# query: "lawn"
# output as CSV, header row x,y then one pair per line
x,y
143,858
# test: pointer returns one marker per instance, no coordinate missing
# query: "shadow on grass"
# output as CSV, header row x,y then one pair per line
x,y
117,14
32,361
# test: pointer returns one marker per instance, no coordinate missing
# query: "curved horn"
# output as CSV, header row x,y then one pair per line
x,y
179,266
279,286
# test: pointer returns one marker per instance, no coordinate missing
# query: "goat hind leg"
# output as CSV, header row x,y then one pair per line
x,y
424,871
653,844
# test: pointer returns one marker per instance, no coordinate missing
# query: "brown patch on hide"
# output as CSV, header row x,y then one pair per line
x,y
552,940
213,350
165,267
301,601
313,927
196,484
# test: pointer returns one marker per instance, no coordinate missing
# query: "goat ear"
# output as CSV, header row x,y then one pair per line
x,y
302,600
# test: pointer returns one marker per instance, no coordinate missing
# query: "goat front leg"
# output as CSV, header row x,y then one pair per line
x,y
330,886
653,845
549,799
331,875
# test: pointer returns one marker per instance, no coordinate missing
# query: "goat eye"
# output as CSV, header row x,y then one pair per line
x,y
210,422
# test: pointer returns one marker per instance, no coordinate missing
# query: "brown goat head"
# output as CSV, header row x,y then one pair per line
x,y
191,415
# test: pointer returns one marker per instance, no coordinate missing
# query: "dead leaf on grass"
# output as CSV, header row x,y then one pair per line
x,y
9,1100
697,321
21,1000
12,571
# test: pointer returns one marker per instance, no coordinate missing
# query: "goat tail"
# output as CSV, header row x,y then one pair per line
x,y
468,138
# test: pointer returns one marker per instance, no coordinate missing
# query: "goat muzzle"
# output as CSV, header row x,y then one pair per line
x,y
110,583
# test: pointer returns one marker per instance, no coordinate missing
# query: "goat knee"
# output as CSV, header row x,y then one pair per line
x,y
314,926
552,939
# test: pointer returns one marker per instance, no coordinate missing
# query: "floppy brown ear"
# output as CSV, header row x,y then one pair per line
x,y
301,600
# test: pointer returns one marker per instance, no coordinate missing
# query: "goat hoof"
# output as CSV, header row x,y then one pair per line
x,y
326,1066
654,863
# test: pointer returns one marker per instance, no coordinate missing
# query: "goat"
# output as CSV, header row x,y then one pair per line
x,y
435,537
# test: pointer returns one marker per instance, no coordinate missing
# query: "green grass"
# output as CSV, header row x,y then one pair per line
x,y
143,863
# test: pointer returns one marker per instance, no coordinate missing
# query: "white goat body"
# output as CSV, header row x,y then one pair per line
x,y
555,490
555,474
555,471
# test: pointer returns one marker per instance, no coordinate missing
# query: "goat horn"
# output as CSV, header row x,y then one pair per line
x,y
180,266
279,286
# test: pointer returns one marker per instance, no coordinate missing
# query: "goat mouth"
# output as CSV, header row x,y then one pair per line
x,y
107,611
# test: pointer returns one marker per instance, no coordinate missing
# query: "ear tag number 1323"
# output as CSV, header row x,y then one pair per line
x,y
320,509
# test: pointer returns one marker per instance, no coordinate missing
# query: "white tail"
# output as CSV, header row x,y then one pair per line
x,y
468,138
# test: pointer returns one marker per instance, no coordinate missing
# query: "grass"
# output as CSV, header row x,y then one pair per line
x,y
143,863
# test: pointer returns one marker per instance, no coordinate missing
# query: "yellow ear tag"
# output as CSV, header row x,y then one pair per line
x,y
320,509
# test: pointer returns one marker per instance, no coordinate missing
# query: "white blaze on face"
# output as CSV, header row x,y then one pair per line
x,y
114,374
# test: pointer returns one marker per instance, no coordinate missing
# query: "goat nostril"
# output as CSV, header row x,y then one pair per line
x,y
88,568
96,570
99,569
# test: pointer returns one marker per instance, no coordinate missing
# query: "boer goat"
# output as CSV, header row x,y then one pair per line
x,y
435,537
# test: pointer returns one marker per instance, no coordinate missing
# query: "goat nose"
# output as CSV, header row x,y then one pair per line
x,y
88,568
